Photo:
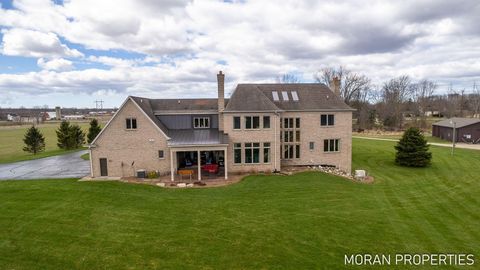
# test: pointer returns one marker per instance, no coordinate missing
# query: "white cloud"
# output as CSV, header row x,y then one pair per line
x,y
186,42
29,43
57,64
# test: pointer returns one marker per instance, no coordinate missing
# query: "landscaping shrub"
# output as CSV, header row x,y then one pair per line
x,y
152,174
34,141
412,149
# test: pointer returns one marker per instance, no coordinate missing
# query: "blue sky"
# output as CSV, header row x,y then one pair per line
x,y
69,54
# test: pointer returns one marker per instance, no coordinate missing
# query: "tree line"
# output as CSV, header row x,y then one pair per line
x,y
387,106
69,136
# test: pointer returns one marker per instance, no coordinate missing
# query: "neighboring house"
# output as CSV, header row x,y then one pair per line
x,y
13,117
73,117
47,116
261,128
466,129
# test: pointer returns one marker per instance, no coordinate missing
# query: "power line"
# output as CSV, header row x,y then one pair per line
x,y
99,104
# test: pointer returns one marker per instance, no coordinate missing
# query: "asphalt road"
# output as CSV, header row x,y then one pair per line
x,y
63,166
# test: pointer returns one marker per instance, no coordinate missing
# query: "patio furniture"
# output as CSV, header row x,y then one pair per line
x,y
210,168
185,172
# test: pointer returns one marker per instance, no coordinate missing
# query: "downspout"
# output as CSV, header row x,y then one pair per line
x,y
91,160
275,142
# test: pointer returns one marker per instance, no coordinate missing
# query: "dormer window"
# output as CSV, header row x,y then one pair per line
x,y
201,122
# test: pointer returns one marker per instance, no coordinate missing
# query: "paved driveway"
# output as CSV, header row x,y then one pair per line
x,y
63,166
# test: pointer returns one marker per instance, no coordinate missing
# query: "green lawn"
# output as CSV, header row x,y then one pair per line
x,y
11,142
429,137
305,221
85,156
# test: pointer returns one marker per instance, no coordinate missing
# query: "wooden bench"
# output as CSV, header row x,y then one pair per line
x,y
185,172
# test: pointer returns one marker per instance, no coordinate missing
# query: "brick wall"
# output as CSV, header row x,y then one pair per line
x,y
122,147
253,135
311,131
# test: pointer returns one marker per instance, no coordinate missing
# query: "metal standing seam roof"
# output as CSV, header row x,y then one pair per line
x,y
199,104
459,122
196,137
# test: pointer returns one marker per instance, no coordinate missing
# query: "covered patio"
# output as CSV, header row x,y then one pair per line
x,y
187,163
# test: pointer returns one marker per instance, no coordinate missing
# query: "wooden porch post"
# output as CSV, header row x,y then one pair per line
x,y
225,165
199,166
171,166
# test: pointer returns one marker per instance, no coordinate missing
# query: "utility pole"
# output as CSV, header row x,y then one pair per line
x,y
454,135
99,104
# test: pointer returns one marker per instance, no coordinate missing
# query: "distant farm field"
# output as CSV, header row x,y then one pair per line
x,y
11,142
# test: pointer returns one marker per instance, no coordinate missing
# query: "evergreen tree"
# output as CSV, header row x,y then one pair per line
x,y
77,137
69,136
93,130
412,149
63,136
34,141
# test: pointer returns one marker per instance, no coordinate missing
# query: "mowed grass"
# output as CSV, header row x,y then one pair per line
x,y
11,142
428,137
305,221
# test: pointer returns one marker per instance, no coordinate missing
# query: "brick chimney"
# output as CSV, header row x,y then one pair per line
x,y
221,98
335,85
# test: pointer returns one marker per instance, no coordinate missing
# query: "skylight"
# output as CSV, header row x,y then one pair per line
x,y
294,95
275,96
285,95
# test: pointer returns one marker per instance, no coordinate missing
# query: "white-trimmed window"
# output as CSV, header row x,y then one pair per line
x,y
161,154
252,152
331,145
201,122
266,122
266,152
237,153
236,122
327,120
252,122
131,123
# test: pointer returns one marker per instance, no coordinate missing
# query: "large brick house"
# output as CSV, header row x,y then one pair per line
x,y
261,128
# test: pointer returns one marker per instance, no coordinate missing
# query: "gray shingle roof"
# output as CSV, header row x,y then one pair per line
x,y
196,136
199,104
248,98
311,97
459,122
145,105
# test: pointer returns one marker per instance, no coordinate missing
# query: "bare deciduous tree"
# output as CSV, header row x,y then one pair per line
x,y
395,93
355,89
475,100
423,92
353,86
288,78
